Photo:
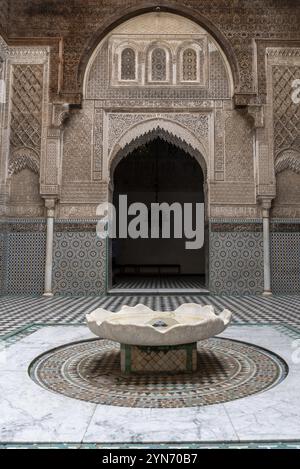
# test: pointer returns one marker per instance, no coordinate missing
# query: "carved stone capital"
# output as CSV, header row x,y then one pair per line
x,y
266,203
256,112
110,185
50,207
60,112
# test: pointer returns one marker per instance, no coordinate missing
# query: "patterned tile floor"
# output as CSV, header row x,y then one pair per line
x,y
18,312
89,370
152,282
161,285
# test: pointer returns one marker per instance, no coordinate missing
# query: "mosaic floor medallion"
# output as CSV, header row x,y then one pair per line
x,y
90,371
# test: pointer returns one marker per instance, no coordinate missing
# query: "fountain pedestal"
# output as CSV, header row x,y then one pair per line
x,y
155,359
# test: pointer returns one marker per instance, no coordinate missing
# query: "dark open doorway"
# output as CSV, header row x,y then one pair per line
x,y
158,172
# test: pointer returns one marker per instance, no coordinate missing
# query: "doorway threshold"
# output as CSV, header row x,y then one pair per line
x,y
158,291
154,285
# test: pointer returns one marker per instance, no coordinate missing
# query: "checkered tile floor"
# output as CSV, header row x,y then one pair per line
x,y
152,282
18,312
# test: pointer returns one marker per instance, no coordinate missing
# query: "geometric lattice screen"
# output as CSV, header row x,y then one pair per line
x,y
286,112
26,107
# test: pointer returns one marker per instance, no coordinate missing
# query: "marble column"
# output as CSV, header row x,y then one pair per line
x,y
266,205
50,207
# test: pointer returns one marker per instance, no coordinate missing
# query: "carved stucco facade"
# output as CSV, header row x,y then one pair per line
x,y
59,150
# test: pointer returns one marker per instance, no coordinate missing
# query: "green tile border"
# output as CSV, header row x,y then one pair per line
x,y
289,444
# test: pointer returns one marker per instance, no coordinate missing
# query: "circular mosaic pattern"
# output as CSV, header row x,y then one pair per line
x,y
90,371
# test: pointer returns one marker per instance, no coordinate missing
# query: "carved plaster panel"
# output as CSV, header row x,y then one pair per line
x,y
219,145
223,211
103,79
25,81
124,128
288,159
283,69
119,123
142,66
239,147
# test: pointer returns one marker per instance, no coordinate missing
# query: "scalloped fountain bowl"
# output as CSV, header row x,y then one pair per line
x,y
141,326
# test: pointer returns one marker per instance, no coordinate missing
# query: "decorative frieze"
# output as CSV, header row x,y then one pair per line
x,y
98,137
219,145
282,52
236,211
286,211
236,227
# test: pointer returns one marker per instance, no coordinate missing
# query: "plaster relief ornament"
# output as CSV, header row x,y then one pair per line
x,y
141,326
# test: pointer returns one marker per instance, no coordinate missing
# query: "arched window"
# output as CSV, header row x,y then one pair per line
x,y
158,65
189,65
128,64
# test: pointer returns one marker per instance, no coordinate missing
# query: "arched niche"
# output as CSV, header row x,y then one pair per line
x,y
101,71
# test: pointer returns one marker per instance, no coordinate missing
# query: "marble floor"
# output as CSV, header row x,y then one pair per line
x,y
30,413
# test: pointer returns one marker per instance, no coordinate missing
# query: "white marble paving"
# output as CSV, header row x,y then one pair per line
x,y
160,425
32,414
257,418
18,357
54,336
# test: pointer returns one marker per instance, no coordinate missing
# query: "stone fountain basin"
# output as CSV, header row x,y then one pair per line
x,y
140,325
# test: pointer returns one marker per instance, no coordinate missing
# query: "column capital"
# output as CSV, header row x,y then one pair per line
x,y
257,114
60,113
50,206
266,203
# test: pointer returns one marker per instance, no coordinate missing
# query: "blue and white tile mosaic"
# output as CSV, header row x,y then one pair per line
x,y
79,264
285,262
25,266
2,263
236,263
235,260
